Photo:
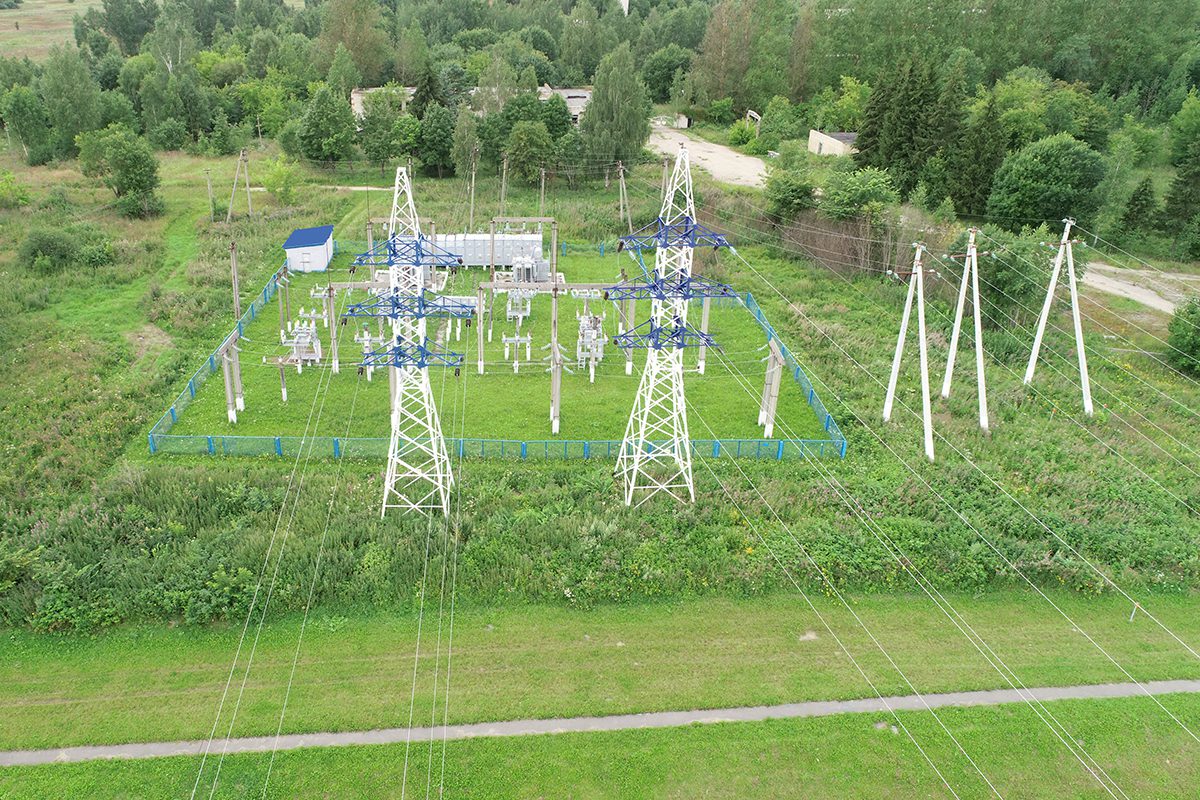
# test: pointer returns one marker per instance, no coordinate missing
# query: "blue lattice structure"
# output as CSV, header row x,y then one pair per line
x,y
402,354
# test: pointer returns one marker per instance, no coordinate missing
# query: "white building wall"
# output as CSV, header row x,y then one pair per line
x,y
310,259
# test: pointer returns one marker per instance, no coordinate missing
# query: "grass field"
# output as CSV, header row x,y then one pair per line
x,y
356,668
37,25
859,756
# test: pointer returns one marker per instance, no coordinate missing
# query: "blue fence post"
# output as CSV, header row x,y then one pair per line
x,y
153,446
337,448
174,415
524,450
602,248
564,248
828,419
212,363
212,450
843,448
278,446
779,451
192,386
587,449
716,448
461,446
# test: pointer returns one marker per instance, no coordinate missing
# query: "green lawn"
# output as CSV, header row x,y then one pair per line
x,y
859,756
355,670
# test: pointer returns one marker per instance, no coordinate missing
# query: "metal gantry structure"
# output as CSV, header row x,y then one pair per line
x,y
419,475
656,450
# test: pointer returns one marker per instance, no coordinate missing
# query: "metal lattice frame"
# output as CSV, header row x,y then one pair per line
x,y
656,453
419,476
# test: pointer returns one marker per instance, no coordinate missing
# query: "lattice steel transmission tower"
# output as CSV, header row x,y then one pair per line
x,y
419,475
656,452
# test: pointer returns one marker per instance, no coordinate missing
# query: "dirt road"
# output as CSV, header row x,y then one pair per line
x,y
723,163
1161,291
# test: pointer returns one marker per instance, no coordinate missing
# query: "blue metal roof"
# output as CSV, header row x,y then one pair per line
x,y
308,237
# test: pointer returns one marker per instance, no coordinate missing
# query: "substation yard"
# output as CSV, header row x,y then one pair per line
x,y
501,404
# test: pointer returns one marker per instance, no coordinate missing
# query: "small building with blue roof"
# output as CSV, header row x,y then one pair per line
x,y
309,249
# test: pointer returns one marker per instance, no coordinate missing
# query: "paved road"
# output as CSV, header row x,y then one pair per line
x,y
723,163
660,719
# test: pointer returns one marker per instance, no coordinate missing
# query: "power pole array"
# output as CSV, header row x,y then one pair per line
x,y
916,286
971,276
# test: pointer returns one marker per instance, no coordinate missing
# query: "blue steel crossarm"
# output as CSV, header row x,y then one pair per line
x,y
676,336
415,251
406,354
685,232
680,287
392,304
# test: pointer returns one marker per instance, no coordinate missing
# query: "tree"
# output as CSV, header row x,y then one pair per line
x,y
658,71
465,148
327,127
556,116
428,91
1048,180
280,179
898,131
529,150
583,41
617,120
1185,128
343,76
24,116
72,97
497,85
1183,199
569,156
1141,212
407,132
356,24
971,163
377,132
128,21
125,164
437,139
493,133
1184,337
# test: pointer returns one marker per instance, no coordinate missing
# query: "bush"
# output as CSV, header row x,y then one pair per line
x,y
1184,337
53,250
789,192
280,180
169,135
741,133
864,191
12,194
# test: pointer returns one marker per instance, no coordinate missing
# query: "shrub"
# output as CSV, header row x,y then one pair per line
x,y
865,191
741,133
789,192
280,180
12,194
1184,337
53,250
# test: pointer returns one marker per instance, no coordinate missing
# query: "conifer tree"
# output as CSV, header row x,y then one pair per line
x,y
972,164
1183,199
1142,209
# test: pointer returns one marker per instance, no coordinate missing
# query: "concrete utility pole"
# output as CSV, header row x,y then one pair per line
x,y
770,395
474,167
916,286
1064,249
556,365
285,303
625,213
503,184
705,306
542,195
236,366
970,275
243,167
332,322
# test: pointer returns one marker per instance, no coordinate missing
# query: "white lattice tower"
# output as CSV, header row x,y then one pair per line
x,y
418,475
656,453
